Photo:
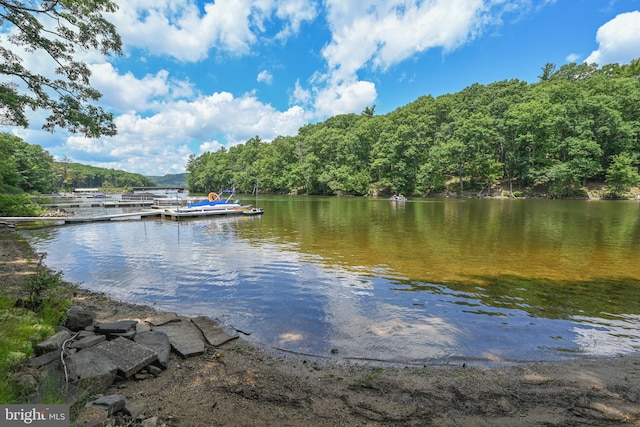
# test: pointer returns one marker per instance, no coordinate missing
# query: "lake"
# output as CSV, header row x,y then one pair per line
x,y
426,281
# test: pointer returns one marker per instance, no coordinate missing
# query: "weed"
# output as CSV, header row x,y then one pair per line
x,y
367,380
24,323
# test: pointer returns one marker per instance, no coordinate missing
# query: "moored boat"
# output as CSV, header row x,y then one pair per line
x,y
215,202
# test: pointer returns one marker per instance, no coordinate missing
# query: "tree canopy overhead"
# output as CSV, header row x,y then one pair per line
x,y
59,30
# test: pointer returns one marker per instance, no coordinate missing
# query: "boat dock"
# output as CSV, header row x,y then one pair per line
x,y
169,214
100,204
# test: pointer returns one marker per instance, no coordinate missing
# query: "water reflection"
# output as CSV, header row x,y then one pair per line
x,y
425,280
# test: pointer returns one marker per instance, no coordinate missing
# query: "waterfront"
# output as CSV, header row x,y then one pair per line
x,y
426,280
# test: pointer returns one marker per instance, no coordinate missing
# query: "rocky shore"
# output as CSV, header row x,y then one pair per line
x,y
86,358
235,383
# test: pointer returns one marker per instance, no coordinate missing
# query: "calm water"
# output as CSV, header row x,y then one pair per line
x,y
425,281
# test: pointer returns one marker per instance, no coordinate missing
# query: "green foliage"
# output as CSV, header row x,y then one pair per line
x,y
27,322
74,175
552,137
25,166
47,293
621,175
70,26
18,205
170,180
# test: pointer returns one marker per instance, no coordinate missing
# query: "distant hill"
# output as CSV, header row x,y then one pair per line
x,y
171,180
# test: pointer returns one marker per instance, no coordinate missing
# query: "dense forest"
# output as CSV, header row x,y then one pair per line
x,y
29,169
578,124
170,180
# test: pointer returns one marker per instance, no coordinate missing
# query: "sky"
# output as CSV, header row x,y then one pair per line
x,y
197,76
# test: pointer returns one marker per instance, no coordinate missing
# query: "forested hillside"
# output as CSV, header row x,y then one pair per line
x,y
29,169
578,124
170,180
74,175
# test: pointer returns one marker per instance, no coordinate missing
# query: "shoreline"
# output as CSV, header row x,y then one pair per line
x,y
241,383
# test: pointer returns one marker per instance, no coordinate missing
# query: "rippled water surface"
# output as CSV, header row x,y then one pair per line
x,y
427,280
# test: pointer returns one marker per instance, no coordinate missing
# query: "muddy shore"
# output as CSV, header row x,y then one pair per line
x,y
239,384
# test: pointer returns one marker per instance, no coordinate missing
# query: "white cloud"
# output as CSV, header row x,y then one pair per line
x,y
618,40
294,13
126,93
212,146
265,77
344,97
152,144
378,34
184,31
572,57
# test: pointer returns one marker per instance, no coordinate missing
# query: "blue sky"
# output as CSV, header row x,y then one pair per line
x,y
200,75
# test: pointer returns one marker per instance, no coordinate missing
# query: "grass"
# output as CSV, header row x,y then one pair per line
x,y
24,323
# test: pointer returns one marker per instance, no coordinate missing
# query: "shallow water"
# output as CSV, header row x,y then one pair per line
x,y
415,282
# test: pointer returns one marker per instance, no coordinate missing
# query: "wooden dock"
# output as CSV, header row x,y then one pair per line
x,y
62,220
100,204
148,213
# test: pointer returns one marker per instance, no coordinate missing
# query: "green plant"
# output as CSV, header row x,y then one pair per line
x,y
18,205
366,382
27,322
47,292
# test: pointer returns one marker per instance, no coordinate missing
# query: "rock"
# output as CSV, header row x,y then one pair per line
x,y
87,342
154,370
128,356
111,404
92,369
92,416
150,422
25,383
215,332
136,409
184,336
79,318
45,359
52,343
162,319
141,376
158,341
142,327
119,327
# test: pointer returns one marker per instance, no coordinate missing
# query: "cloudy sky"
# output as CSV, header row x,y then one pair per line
x,y
200,75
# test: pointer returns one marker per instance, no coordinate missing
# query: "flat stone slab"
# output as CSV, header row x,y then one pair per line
x,y
158,341
88,341
52,343
162,319
92,369
184,336
119,327
128,356
215,332
45,359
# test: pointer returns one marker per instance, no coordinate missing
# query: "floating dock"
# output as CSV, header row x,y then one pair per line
x,y
150,213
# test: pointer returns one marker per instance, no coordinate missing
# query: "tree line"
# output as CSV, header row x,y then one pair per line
x,y
579,123
29,169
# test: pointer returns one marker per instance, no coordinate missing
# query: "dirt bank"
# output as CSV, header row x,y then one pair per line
x,y
239,384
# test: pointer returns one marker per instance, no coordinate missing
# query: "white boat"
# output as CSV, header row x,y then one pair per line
x,y
216,204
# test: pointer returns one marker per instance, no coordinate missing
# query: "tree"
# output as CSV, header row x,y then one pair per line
x,y
622,174
57,29
24,166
